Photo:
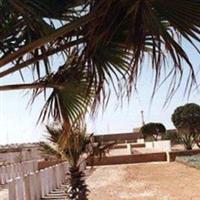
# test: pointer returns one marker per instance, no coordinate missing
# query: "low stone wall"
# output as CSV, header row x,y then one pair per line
x,y
127,159
45,164
142,158
174,154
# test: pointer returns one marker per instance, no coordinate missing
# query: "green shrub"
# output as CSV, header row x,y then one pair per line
x,y
172,136
151,131
186,119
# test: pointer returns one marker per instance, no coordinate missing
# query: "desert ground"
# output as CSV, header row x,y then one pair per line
x,y
148,181
152,181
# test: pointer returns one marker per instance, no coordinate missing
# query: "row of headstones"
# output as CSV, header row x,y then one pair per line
x,y
12,171
37,185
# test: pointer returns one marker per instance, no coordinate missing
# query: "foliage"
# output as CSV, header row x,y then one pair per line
x,y
72,150
187,121
102,43
76,149
172,136
153,130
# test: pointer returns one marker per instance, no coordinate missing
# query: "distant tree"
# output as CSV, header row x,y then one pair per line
x,y
153,130
172,136
186,119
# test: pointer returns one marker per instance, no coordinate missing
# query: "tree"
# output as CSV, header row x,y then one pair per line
x,y
104,40
153,130
72,151
76,150
186,119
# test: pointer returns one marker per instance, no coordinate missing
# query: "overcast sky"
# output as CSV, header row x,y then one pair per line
x,y
18,123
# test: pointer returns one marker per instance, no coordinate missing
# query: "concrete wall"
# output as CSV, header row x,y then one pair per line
x,y
118,137
122,137
122,146
142,158
174,154
127,159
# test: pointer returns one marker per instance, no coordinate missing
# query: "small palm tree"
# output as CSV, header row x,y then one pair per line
x,y
76,149
72,151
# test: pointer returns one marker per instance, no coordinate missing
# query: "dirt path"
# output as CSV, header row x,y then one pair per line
x,y
156,181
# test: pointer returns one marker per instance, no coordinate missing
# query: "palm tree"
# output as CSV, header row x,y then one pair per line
x,y
72,151
107,41
77,148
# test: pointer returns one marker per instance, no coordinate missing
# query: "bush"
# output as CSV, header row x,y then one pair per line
x,y
172,136
151,131
186,119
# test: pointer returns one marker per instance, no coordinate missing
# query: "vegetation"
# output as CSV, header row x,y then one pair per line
x,y
102,43
72,151
187,121
153,130
76,150
172,136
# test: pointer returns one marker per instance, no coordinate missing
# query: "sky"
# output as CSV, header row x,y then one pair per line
x,y
18,120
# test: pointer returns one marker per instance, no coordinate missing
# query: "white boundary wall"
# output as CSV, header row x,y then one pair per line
x,y
162,145
13,171
37,185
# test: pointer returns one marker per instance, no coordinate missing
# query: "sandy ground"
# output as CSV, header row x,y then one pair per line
x,y
155,181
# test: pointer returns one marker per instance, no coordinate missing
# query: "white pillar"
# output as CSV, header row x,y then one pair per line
x,y
50,179
168,156
2,175
20,188
129,149
12,171
54,177
20,169
8,172
30,187
37,186
27,187
23,167
57,176
12,195
46,181
43,187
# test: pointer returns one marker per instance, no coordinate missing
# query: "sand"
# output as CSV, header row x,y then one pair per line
x,y
152,181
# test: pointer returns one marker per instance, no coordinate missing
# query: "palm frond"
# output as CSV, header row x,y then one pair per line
x,y
48,149
111,40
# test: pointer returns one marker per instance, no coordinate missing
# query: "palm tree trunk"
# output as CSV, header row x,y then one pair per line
x,y
77,188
